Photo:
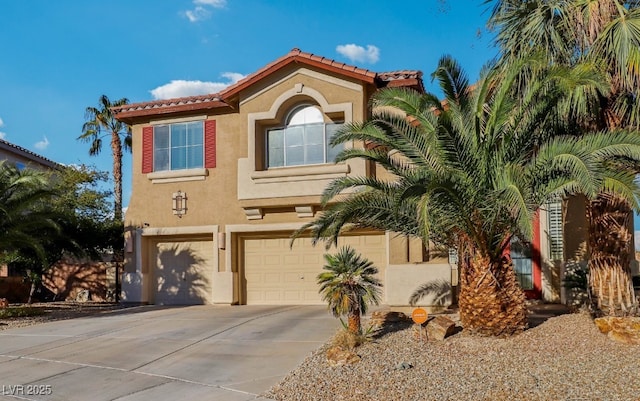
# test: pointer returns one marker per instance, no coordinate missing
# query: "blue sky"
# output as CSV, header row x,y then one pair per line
x,y
58,57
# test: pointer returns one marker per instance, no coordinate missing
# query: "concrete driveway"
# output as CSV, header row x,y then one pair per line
x,y
229,353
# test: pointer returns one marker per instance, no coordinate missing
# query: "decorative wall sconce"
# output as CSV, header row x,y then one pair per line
x,y
179,203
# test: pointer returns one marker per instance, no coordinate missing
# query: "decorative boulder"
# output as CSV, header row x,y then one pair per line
x,y
625,330
380,318
337,356
440,328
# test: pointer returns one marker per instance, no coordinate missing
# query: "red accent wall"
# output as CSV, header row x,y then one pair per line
x,y
147,149
536,293
210,143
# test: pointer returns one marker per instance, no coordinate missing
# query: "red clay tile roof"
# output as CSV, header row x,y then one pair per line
x,y
200,102
298,56
402,74
409,78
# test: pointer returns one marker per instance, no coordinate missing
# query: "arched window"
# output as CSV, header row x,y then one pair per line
x,y
303,140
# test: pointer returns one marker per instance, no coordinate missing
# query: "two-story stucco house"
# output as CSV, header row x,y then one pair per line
x,y
221,181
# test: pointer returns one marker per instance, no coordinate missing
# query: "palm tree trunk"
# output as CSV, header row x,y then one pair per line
x,y
491,301
116,149
354,321
32,290
610,279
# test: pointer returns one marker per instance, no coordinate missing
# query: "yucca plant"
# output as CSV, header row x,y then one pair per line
x,y
348,284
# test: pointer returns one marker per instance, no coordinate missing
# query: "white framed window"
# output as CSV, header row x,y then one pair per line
x,y
304,140
178,146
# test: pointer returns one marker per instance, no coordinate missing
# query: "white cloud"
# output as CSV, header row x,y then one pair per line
x,y
182,88
212,3
358,53
197,14
42,145
1,122
202,9
637,240
3,135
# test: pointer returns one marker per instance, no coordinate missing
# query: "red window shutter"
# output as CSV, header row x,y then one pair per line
x,y
210,143
147,149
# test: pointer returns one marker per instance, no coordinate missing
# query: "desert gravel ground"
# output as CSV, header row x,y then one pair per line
x,y
564,358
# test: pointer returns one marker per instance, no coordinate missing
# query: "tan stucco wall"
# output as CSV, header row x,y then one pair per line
x,y
151,203
428,283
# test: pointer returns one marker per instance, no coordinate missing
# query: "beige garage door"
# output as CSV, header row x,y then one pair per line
x,y
277,274
183,272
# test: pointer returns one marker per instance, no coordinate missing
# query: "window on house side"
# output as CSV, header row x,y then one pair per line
x,y
178,146
554,223
304,140
522,262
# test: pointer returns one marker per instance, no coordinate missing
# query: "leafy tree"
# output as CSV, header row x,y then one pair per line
x,y
470,172
81,223
100,124
348,284
606,34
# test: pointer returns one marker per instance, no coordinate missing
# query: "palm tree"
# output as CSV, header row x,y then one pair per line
x,y
470,172
24,217
348,284
605,33
27,221
100,124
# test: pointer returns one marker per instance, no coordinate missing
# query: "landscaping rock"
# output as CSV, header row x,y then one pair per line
x,y
83,296
440,328
337,356
379,318
4,303
625,330
403,366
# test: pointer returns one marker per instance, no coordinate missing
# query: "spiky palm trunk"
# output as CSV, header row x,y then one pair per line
x,y
609,265
491,301
354,325
116,149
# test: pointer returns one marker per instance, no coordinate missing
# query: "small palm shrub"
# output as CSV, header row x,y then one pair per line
x,y
348,284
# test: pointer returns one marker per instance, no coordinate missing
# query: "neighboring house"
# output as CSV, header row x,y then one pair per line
x,y
221,181
22,157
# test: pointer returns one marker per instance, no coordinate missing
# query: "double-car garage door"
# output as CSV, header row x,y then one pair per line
x,y
271,272
275,273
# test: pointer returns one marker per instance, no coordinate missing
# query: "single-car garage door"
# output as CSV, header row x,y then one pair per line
x,y
276,274
183,272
